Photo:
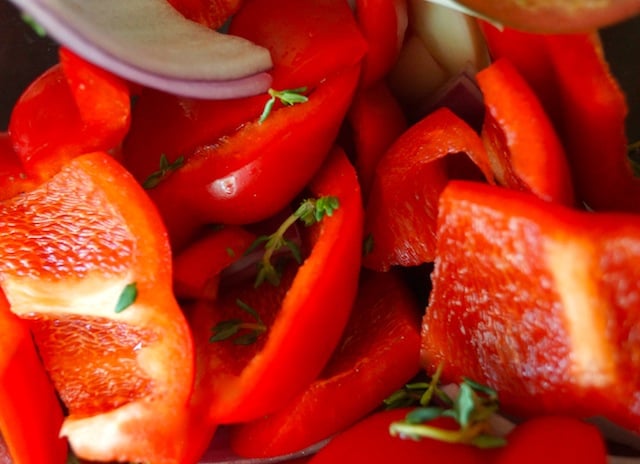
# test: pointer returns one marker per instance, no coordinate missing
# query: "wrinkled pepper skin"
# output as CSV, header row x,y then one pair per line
x,y
30,413
538,301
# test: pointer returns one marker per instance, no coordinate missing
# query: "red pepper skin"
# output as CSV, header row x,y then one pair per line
x,y
594,112
383,24
521,141
538,301
220,184
570,74
71,109
196,268
370,441
403,204
375,120
13,178
30,413
248,382
378,354
309,41
101,232
211,13
553,439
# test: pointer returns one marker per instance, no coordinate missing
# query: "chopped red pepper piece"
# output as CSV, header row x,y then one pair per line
x,y
30,413
71,109
211,13
571,76
378,354
403,203
375,120
383,24
538,301
521,141
219,183
86,261
302,328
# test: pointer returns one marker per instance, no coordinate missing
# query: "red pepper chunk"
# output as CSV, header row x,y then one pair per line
x,y
403,203
303,326
538,301
71,109
521,141
377,355
30,413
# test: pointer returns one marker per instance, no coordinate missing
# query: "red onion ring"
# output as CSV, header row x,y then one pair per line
x,y
150,43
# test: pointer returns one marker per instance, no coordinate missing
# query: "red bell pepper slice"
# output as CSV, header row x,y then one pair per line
x,y
376,120
403,203
13,178
247,382
71,109
378,354
70,249
30,413
538,301
570,74
594,110
383,24
255,172
521,141
309,41
211,13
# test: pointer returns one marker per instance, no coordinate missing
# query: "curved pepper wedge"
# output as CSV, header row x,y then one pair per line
x,y
377,355
403,203
302,327
85,261
30,413
538,301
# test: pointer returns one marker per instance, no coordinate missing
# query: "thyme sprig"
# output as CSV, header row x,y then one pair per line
x,y
288,97
310,211
471,409
164,169
229,329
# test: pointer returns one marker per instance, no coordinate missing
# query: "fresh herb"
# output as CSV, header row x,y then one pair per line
x,y
37,28
310,211
367,244
165,168
127,297
472,407
287,97
228,329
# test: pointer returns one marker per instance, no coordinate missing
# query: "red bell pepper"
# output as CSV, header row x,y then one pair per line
x,y
302,328
594,110
71,109
538,301
570,74
383,24
255,172
211,13
13,178
196,269
378,354
30,413
375,121
403,204
525,150
70,250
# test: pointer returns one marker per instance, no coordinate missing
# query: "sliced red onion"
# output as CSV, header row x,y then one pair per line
x,y
152,44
